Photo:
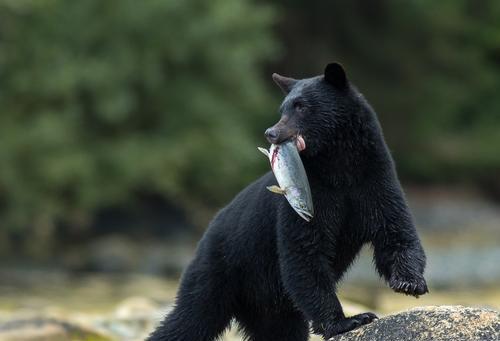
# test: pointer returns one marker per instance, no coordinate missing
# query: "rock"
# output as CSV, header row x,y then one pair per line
x,y
433,323
133,319
47,329
137,307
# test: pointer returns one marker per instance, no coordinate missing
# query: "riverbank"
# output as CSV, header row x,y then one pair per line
x,y
127,306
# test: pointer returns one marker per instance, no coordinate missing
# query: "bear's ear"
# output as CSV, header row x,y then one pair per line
x,y
335,75
285,83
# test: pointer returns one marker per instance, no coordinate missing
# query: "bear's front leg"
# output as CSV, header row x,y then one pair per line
x,y
309,280
399,256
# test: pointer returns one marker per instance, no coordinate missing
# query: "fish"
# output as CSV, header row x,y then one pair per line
x,y
291,176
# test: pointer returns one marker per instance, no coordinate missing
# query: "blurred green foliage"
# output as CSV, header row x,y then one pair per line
x,y
102,100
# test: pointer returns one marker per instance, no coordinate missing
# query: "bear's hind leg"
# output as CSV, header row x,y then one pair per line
x,y
191,323
277,327
202,310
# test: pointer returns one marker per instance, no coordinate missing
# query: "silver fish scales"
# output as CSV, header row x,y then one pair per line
x,y
291,176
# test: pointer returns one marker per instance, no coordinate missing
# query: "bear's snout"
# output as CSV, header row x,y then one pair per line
x,y
281,131
272,135
278,134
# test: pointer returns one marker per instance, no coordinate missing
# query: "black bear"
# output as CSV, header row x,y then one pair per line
x,y
274,273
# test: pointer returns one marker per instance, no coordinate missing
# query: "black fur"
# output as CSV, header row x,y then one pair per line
x,y
273,272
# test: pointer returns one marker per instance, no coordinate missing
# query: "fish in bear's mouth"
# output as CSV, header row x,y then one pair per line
x,y
300,143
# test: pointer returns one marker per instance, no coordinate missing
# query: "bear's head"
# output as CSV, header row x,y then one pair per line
x,y
328,116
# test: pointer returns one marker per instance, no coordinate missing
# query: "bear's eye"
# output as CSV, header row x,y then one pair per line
x,y
299,106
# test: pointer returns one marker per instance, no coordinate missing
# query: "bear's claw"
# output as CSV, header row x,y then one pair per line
x,y
349,323
413,287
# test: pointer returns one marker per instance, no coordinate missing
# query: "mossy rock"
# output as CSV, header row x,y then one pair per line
x,y
433,323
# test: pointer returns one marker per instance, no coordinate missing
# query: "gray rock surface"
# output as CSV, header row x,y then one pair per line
x,y
433,323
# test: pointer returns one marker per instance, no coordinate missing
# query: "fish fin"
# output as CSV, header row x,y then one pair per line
x,y
264,151
304,215
276,189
